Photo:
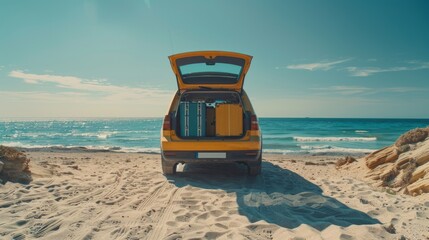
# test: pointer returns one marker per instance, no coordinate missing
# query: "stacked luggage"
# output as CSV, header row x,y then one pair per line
x,y
219,120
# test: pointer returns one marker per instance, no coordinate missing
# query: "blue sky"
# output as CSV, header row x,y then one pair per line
x,y
311,58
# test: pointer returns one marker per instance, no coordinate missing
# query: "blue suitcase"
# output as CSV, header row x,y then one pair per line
x,y
192,119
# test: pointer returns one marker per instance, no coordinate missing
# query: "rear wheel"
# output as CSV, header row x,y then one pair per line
x,y
255,170
168,168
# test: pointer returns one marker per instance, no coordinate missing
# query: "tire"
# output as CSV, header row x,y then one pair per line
x,y
168,169
255,170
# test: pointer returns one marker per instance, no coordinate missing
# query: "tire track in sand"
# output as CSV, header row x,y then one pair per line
x,y
160,229
153,195
97,218
144,204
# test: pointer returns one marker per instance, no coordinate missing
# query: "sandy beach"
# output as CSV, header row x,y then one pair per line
x,y
238,120
79,194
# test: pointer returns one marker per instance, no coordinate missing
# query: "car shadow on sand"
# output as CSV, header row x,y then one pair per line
x,y
277,196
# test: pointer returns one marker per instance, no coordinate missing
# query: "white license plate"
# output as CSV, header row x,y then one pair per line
x,y
211,155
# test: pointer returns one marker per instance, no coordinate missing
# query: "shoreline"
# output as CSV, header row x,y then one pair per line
x,y
73,149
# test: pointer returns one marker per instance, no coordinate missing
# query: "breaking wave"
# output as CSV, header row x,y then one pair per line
x,y
88,147
334,139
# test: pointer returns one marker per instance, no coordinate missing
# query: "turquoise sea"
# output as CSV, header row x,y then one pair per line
x,y
316,136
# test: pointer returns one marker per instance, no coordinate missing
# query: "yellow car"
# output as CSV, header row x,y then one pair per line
x,y
210,118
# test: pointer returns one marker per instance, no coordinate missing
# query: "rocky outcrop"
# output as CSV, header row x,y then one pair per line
x,y
412,136
14,166
384,155
403,166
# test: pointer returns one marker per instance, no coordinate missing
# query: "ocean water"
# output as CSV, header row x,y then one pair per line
x,y
314,136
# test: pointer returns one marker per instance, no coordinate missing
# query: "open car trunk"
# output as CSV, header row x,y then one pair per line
x,y
208,115
210,69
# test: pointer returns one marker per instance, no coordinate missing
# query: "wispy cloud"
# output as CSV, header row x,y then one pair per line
x,y
360,90
85,85
357,71
44,96
78,104
368,71
405,89
325,65
78,97
345,90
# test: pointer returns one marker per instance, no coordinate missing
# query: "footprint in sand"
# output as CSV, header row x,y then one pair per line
x,y
213,235
228,203
183,218
202,217
41,229
21,222
222,219
216,213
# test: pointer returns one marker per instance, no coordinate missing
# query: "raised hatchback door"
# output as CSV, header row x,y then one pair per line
x,y
210,70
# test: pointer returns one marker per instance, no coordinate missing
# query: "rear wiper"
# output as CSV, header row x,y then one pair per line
x,y
205,87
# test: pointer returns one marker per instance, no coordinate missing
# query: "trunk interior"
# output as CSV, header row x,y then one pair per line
x,y
211,115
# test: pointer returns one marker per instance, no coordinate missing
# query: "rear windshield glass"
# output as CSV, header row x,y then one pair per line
x,y
204,68
219,70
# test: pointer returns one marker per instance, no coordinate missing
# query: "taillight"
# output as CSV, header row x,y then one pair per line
x,y
166,125
254,123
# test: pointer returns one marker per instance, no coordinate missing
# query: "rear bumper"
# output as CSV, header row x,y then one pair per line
x,y
248,157
252,144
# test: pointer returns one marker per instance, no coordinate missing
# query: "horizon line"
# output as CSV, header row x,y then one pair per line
x,y
3,119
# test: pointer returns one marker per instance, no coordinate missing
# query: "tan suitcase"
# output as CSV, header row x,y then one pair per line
x,y
229,120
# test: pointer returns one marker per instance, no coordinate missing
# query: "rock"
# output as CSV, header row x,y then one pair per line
x,y
403,160
404,148
387,172
310,163
412,136
1,166
390,229
346,160
421,155
402,237
419,172
384,155
18,176
404,176
403,166
75,167
15,165
419,187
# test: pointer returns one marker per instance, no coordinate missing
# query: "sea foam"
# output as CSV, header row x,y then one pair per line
x,y
88,147
334,139
320,150
361,131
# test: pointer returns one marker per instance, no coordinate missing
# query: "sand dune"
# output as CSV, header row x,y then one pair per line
x,y
89,195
